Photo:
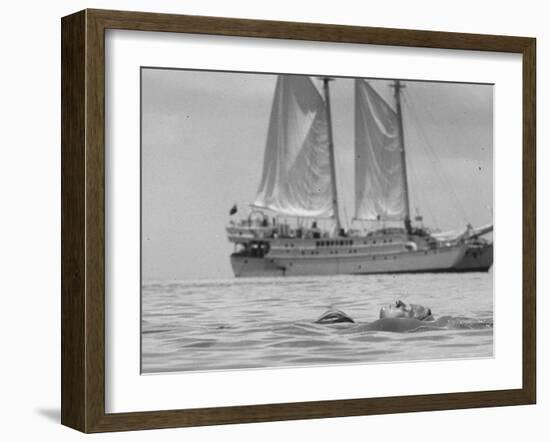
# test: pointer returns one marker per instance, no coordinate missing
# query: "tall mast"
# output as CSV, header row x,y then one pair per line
x,y
398,86
326,80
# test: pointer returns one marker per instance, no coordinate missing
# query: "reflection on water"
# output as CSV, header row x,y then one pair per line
x,y
253,323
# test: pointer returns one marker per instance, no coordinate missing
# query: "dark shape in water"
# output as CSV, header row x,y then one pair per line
x,y
334,317
400,317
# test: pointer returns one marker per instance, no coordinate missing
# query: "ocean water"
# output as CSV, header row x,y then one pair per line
x,y
261,323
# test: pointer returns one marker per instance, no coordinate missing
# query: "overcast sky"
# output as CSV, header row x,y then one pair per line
x,y
203,139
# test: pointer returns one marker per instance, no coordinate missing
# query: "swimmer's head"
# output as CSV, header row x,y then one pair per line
x,y
399,309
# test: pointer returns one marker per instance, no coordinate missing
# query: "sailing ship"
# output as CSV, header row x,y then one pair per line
x,y
299,181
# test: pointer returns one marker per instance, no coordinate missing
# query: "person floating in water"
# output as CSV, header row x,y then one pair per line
x,y
401,317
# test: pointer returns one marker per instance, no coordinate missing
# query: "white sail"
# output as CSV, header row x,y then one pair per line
x,y
379,186
296,178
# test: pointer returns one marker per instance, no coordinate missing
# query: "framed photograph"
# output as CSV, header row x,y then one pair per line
x,y
268,221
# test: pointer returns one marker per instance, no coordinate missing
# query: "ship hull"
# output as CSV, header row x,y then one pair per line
x,y
443,259
476,259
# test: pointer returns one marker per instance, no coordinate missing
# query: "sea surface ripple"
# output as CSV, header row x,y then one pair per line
x,y
262,323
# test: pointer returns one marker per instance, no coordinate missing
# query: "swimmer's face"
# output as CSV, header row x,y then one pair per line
x,y
396,309
399,309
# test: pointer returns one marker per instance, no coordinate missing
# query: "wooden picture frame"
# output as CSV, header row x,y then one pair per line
x,y
83,220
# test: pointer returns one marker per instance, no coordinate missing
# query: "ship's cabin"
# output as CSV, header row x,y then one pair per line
x,y
259,234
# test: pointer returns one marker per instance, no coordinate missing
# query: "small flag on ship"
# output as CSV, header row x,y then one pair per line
x,y
233,210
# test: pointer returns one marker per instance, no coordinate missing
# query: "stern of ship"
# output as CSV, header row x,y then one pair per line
x,y
246,266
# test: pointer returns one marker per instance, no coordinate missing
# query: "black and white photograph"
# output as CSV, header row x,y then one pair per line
x,y
311,220
251,221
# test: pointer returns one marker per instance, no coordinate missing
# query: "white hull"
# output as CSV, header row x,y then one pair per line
x,y
476,259
442,259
